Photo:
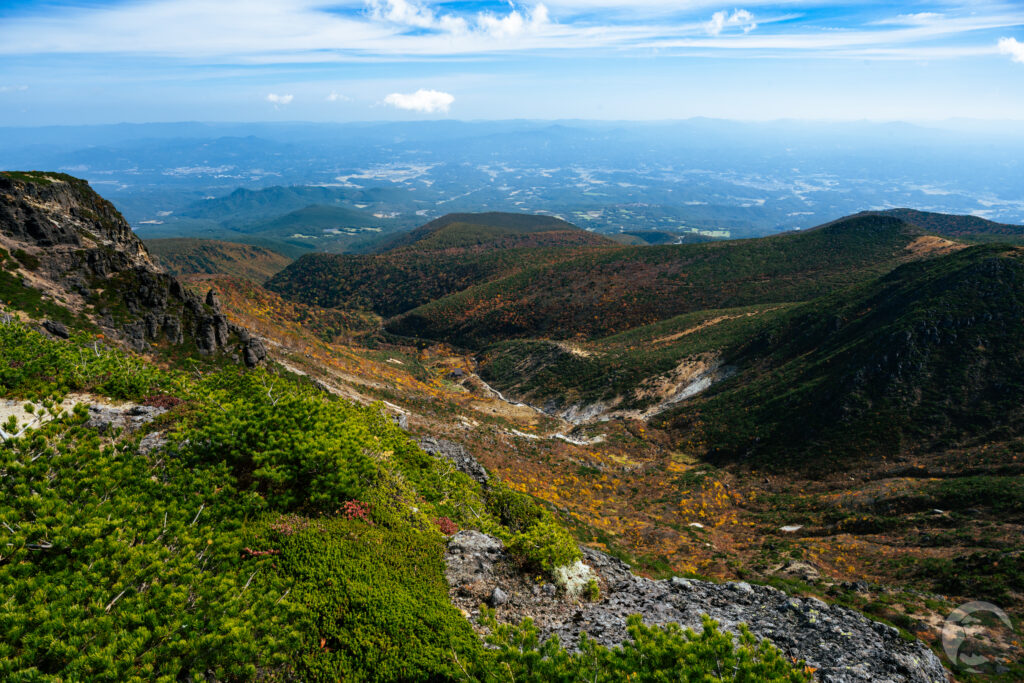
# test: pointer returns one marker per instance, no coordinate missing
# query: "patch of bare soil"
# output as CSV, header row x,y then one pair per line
x,y
932,245
709,323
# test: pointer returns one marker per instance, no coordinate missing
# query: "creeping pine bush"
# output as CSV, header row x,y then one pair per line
x,y
545,545
292,445
530,532
514,511
34,367
117,567
653,653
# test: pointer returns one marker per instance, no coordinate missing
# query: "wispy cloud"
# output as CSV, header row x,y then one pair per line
x,y
280,99
739,18
13,88
423,101
909,19
317,31
337,97
1012,47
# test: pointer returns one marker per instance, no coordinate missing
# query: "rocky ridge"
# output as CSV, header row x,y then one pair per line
x,y
76,249
842,645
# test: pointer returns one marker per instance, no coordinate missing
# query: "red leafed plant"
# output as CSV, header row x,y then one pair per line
x,y
447,526
354,509
162,401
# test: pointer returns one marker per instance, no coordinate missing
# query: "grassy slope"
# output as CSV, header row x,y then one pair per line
x,y
187,256
277,533
609,291
927,356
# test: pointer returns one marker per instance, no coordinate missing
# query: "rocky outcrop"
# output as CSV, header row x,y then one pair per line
x,y
105,417
82,253
57,210
458,455
843,645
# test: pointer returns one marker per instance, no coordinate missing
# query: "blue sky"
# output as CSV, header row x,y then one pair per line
x,y
95,61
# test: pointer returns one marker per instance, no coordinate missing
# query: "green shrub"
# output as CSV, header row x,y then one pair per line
x,y
117,567
33,366
513,510
545,545
292,445
654,653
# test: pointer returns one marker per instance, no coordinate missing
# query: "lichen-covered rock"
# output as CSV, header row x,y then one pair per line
x,y
842,644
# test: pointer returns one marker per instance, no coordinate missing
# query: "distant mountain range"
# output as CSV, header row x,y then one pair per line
x,y
750,179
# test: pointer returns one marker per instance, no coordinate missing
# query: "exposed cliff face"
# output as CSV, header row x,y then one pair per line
x,y
57,212
77,250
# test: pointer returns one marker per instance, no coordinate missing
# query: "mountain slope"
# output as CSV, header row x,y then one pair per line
x,y
445,256
931,355
188,256
609,291
959,227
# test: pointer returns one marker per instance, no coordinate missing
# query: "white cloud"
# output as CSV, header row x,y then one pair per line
x,y
337,97
1012,47
280,99
411,14
425,101
722,20
415,15
514,23
13,88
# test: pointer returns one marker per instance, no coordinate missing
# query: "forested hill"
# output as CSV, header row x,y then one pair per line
x,y
928,357
608,291
442,257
